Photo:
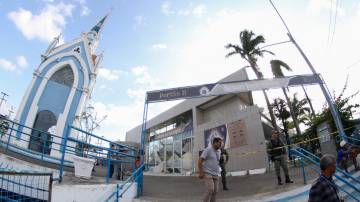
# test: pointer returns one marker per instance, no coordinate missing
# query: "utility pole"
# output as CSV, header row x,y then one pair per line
x,y
2,99
332,107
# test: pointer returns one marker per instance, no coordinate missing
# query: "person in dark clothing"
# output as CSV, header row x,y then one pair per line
x,y
343,156
277,152
224,158
111,156
324,188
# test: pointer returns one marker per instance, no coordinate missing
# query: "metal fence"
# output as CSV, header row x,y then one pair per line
x,y
76,142
25,186
121,189
350,188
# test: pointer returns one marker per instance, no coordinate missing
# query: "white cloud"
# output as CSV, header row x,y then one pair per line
x,y
317,6
84,9
142,76
159,46
138,70
122,118
183,12
46,25
7,65
194,10
119,117
199,10
166,8
139,21
110,74
21,62
144,82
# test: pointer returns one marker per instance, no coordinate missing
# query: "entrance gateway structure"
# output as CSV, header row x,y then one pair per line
x,y
171,142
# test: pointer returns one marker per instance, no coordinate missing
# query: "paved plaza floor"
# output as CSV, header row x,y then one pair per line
x,y
242,188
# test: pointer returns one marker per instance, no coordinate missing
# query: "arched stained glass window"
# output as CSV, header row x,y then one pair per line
x,y
64,76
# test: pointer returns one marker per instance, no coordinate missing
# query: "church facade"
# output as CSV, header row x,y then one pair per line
x,y
58,92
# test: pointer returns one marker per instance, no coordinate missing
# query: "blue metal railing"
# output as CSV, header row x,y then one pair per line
x,y
122,188
306,156
60,150
25,186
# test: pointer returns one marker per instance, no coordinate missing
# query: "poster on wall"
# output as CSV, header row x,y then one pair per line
x,y
237,133
211,133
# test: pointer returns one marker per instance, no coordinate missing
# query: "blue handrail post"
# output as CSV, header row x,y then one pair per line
x,y
142,148
117,192
303,169
108,167
43,148
63,150
137,180
8,142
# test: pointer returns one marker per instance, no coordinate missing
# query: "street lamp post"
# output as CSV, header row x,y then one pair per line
x,y
333,109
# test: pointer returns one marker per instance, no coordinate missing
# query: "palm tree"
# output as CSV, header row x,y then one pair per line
x,y
282,113
249,50
301,111
276,68
309,101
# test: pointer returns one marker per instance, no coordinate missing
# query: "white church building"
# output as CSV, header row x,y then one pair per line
x,y
59,91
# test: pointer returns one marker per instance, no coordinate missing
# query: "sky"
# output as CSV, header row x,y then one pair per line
x,y
150,45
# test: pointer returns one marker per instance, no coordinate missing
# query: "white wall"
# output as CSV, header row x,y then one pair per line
x,y
226,112
19,165
89,193
66,192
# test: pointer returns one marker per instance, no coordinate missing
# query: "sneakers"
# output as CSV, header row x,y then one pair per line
x,y
288,180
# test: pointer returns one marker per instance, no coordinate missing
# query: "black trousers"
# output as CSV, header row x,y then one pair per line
x,y
223,175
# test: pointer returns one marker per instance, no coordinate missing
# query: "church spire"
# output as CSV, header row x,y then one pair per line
x,y
93,34
99,25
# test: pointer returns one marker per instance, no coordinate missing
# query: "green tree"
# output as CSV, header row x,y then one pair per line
x,y
346,111
249,50
282,113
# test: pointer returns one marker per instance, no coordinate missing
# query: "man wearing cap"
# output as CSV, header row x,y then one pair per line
x,y
277,152
343,156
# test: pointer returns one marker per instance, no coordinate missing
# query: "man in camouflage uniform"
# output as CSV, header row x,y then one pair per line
x,y
224,158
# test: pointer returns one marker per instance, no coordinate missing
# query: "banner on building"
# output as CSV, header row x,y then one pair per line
x,y
222,88
210,134
237,133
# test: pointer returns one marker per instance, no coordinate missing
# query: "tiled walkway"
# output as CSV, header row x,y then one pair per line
x,y
242,188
